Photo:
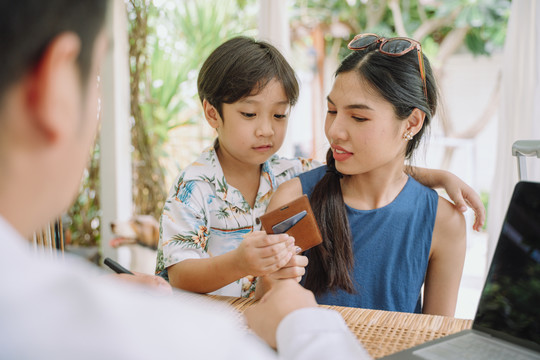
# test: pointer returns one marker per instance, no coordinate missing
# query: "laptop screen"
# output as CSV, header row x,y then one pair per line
x,y
510,303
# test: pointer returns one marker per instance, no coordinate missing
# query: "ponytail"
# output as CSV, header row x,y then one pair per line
x,y
330,263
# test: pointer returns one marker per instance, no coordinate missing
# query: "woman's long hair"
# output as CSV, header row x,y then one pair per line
x,y
398,81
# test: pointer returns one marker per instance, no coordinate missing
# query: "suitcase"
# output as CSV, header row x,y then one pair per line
x,y
521,149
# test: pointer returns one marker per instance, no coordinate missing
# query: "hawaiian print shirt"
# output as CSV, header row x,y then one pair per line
x,y
204,216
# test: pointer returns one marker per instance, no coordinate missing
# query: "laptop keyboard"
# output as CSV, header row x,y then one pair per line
x,y
472,346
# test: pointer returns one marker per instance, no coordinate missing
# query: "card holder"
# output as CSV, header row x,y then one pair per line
x,y
299,215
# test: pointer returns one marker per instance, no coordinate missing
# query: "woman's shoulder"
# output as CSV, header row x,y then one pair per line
x,y
313,174
450,227
448,214
293,166
286,192
418,187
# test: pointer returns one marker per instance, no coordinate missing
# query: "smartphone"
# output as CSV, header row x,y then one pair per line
x,y
116,267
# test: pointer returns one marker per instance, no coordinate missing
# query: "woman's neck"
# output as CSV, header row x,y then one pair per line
x,y
374,189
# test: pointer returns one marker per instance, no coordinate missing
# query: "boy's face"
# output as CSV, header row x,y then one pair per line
x,y
253,128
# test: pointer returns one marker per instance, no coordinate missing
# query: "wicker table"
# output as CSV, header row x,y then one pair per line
x,y
384,332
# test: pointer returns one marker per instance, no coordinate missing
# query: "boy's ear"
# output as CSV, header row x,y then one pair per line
x,y
54,86
211,114
415,121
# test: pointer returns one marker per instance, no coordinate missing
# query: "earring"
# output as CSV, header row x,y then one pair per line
x,y
408,135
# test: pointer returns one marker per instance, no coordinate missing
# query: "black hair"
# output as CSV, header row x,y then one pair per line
x,y
28,26
242,67
398,81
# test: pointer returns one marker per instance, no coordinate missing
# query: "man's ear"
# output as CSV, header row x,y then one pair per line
x,y
415,121
55,87
211,114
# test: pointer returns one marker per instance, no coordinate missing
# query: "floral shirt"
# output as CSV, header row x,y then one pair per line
x,y
204,216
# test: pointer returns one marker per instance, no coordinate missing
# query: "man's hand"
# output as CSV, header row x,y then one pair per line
x,y
153,282
261,254
285,297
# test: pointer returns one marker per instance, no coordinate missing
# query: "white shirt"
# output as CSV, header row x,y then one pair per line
x,y
60,309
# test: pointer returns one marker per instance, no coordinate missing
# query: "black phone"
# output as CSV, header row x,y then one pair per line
x,y
116,267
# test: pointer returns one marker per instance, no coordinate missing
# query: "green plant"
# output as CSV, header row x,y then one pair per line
x,y
484,196
82,221
167,46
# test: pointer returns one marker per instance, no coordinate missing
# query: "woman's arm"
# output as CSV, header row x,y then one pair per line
x,y
286,192
446,260
461,194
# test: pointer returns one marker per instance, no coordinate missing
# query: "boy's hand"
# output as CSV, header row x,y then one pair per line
x,y
285,297
458,191
463,195
294,269
261,254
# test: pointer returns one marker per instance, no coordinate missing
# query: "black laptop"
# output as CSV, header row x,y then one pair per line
x,y
507,322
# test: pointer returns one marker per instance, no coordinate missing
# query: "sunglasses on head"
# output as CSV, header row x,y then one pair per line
x,y
397,46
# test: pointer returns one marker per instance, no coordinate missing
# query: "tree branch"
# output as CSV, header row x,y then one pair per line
x,y
450,44
398,18
429,26
375,12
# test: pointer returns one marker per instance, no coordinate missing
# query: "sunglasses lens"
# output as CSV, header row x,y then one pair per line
x,y
363,42
396,46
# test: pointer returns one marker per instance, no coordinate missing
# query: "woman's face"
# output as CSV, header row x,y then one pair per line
x,y
364,133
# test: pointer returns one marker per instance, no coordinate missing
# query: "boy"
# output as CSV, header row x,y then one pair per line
x,y
209,238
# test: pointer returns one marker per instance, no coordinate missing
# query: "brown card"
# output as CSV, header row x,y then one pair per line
x,y
296,219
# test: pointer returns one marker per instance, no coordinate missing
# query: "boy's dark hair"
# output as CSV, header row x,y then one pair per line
x,y
241,67
398,81
28,26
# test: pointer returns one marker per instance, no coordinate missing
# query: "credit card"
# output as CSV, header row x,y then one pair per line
x,y
286,224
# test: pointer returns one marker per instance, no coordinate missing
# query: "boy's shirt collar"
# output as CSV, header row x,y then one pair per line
x,y
208,168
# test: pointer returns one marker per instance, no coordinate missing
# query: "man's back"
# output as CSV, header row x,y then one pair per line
x,y
66,310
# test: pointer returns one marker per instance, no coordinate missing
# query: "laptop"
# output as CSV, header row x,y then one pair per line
x,y
507,322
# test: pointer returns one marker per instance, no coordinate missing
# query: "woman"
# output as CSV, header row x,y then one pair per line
x,y
385,234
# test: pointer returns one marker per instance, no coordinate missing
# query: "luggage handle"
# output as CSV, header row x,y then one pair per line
x,y
522,148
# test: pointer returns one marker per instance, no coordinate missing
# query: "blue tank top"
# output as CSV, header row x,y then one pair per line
x,y
390,247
